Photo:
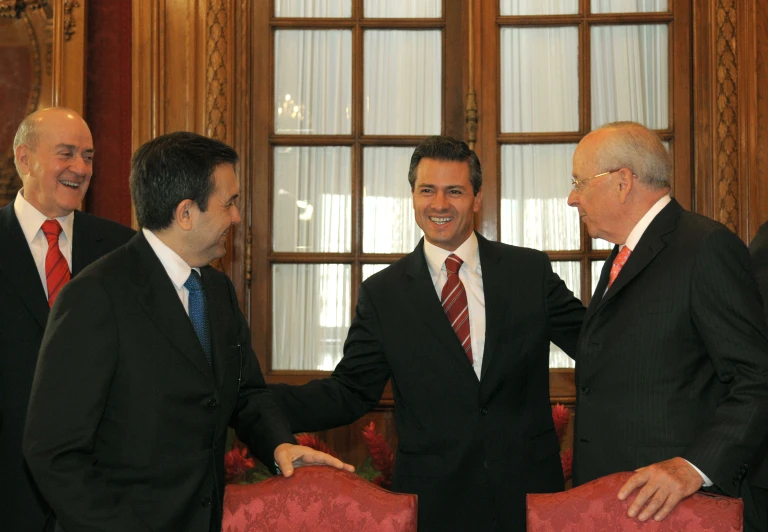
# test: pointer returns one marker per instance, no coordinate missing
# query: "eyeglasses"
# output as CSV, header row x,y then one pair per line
x,y
576,183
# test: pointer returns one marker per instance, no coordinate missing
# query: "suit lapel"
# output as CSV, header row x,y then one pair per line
x,y
422,295
158,297
495,291
597,297
650,245
19,267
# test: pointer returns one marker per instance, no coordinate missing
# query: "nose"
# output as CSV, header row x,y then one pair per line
x,y
572,198
80,166
439,201
235,215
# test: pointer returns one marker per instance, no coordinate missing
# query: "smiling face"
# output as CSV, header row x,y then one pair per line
x,y
57,169
444,202
211,227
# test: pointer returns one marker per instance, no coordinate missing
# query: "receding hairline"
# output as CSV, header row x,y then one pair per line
x,y
28,132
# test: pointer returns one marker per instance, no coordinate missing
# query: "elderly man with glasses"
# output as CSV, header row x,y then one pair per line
x,y
672,362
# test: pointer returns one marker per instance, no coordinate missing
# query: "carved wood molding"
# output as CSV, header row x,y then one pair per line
x,y
70,23
727,130
216,101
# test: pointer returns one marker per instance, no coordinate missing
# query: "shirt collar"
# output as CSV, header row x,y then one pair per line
x,y
31,220
645,221
468,252
176,267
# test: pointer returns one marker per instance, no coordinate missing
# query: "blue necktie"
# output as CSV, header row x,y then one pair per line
x,y
198,312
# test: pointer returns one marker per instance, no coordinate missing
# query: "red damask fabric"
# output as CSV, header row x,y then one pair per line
x,y
315,499
594,507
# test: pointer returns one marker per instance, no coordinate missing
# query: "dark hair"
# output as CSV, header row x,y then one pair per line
x,y
446,149
171,168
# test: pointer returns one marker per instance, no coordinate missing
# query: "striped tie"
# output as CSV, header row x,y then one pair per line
x,y
56,267
454,301
618,264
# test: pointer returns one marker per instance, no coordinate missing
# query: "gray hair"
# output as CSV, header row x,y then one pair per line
x,y
27,135
634,146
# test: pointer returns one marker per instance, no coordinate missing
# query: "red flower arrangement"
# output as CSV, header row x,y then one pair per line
x,y
236,463
561,416
381,455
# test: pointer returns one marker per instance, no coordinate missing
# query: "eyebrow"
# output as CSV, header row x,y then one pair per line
x,y
73,147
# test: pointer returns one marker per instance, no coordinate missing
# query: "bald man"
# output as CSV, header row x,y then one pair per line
x,y
672,360
44,241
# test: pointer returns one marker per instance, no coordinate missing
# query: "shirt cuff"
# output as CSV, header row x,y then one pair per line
x,y
707,483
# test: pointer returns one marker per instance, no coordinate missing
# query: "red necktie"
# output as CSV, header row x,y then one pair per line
x,y
56,267
618,264
454,300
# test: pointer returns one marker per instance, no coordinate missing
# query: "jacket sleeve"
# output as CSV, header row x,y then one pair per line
x,y
565,311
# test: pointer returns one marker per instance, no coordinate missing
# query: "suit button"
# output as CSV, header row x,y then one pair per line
x,y
212,402
205,502
483,410
585,390
485,464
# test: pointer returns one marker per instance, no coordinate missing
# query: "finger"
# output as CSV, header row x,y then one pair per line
x,y
643,496
315,457
635,481
284,463
656,502
669,505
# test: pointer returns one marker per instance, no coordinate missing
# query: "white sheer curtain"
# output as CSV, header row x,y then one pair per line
x,y
313,82
313,8
403,77
403,8
538,7
388,222
312,199
310,315
628,6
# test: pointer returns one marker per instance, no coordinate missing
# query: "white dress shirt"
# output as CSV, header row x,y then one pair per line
x,y
176,267
471,276
632,240
31,221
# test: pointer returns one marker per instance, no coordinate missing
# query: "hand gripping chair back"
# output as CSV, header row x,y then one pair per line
x,y
594,507
317,499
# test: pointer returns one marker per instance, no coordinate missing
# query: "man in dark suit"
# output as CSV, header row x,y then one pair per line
x,y
758,248
672,364
147,359
471,402
53,152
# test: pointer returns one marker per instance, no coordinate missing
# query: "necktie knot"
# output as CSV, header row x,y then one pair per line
x,y
453,264
51,230
198,313
618,264
193,282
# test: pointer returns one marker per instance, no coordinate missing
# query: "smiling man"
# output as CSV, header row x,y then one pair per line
x,y
147,359
44,241
462,327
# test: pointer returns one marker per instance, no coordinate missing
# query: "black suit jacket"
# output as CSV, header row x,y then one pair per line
x,y
127,421
23,315
470,449
758,248
673,359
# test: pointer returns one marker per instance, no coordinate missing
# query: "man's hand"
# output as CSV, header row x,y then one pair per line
x,y
663,486
289,456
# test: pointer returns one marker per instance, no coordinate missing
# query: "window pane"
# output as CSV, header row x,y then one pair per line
x,y
630,75
388,222
570,272
628,6
313,8
370,269
403,8
599,243
310,315
313,82
538,7
535,183
597,268
539,80
403,82
312,199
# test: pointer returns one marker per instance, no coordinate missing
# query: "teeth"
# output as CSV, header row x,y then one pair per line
x,y
70,184
440,221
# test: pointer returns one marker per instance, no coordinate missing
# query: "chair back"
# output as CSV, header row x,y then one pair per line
x,y
317,499
595,507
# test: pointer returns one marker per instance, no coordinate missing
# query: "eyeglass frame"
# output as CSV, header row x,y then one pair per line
x,y
576,183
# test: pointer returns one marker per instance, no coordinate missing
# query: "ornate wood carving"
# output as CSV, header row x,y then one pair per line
x,y
216,70
727,134
70,23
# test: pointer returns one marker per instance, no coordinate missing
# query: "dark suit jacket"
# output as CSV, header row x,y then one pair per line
x,y
673,359
127,421
758,248
470,450
23,314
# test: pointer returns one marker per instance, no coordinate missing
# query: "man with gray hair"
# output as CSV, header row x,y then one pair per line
x,y
44,241
672,360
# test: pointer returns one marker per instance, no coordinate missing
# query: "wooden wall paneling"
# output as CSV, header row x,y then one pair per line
x,y
759,191
680,83
69,45
487,73
747,114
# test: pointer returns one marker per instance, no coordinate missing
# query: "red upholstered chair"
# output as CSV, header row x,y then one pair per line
x,y
315,499
593,507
